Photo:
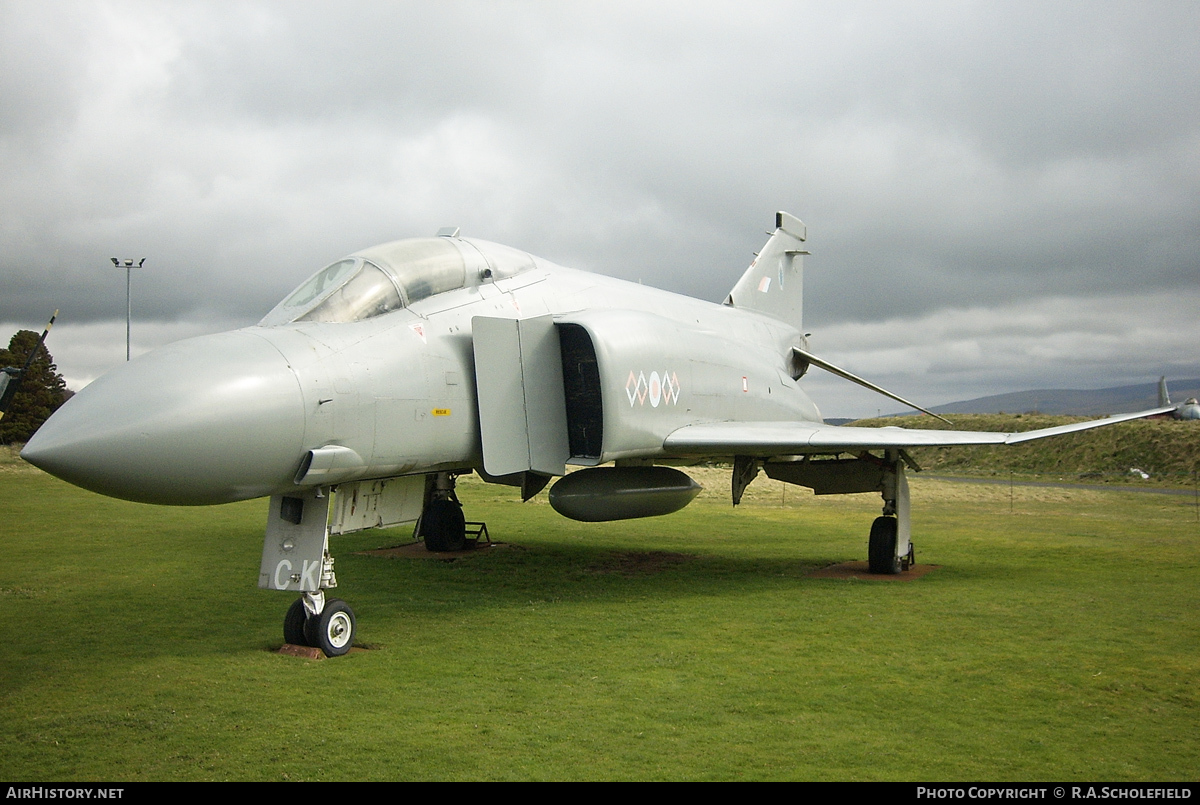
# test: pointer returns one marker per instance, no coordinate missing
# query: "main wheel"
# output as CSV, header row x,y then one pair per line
x,y
333,630
444,527
881,553
293,624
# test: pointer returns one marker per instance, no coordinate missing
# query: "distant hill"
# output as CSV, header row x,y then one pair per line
x,y
1168,450
1072,402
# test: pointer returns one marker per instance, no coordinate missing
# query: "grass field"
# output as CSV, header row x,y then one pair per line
x,y
1058,640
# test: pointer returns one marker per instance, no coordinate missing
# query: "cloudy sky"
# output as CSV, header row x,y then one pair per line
x,y
999,196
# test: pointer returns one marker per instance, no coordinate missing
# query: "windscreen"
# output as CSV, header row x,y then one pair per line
x,y
320,284
369,292
373,282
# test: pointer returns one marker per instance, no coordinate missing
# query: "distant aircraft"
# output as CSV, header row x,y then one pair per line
x,y
1187,410
357,401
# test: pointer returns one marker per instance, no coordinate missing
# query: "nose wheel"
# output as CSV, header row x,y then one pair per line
x,y
293,624
331,629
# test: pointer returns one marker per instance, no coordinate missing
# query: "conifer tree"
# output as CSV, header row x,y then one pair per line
x,y
41,392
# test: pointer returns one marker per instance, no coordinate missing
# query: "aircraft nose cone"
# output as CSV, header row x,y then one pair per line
x,y
206,420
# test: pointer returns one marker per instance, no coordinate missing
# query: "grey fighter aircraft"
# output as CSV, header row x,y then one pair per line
x,y
357,401
1188,409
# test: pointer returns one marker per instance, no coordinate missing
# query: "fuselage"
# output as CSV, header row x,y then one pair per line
x,y
1189,409
235,415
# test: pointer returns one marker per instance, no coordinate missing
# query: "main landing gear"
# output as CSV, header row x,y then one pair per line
x,y
890,549
443,525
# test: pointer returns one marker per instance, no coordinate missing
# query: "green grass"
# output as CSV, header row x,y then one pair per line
x,y
1059,641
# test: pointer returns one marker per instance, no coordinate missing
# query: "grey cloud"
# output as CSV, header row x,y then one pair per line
x,y
945,156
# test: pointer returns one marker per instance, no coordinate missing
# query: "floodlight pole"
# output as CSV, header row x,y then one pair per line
x,y
128,266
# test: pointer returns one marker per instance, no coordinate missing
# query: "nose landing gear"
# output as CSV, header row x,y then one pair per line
x,y
296,557
330,628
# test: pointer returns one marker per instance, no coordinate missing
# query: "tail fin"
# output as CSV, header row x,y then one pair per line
x,y
1164,398
774,282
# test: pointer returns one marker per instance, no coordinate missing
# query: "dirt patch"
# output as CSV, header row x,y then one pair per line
x,y
638,563
858,570
310,653
416,550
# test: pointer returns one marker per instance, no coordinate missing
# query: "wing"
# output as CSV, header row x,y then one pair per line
x,y
793,438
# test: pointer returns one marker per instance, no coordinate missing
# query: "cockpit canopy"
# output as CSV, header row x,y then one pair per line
x,y
385,278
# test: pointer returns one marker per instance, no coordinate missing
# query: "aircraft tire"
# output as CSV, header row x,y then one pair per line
x,y
293,624
456,527
444,527
881,552
333,630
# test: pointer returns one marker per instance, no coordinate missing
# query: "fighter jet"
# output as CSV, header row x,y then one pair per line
x,y
359,399
1188,409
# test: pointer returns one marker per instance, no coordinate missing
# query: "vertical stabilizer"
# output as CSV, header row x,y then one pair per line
x,y
1164,398
774,282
